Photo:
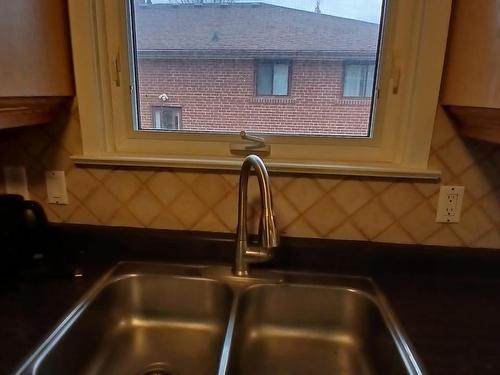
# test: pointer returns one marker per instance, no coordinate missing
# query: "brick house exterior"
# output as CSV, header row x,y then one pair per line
x,y
208,69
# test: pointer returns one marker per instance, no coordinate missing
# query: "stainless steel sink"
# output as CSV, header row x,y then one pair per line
x,y
292,330
165,319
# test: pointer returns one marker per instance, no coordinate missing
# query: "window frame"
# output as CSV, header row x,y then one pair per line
x,y
406,98
273,62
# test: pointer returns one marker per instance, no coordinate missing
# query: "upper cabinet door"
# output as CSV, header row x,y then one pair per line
x,y
35,57
472,75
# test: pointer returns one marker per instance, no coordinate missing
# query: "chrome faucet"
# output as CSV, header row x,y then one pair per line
x,y
269,237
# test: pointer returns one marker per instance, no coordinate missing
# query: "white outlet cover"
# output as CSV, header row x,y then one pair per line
x,y
16,181
56,187
450,204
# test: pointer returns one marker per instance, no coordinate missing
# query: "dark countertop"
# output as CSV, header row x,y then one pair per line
x,y
449,304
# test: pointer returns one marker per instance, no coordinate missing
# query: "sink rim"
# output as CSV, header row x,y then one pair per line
x,y
222,275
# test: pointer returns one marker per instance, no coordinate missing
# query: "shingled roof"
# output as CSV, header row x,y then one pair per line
x,y
249,29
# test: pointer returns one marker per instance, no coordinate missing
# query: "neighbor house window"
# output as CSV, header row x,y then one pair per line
x,y
273,78
167,118
358,79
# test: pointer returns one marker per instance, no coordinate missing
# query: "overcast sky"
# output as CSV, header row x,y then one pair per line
x,y
365,10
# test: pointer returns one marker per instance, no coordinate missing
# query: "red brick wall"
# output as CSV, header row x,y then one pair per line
x,y
220,95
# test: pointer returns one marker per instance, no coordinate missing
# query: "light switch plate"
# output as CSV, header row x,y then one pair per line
x,y
450,204
16,181
56,187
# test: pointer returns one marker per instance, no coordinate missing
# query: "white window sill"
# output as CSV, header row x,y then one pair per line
x,y
374,170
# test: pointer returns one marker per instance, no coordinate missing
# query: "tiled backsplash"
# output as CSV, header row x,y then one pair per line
x,y
400,211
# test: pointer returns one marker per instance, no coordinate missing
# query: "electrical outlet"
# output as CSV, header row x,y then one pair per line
x,y
56,187
450,204
16,181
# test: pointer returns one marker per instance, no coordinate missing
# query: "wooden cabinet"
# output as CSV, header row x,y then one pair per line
x,y
36,73
471,87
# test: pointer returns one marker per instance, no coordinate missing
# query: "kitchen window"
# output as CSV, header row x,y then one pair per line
x,y
135,55
358,79
272,78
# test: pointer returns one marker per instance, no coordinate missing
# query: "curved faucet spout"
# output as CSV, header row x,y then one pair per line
x,y
269,236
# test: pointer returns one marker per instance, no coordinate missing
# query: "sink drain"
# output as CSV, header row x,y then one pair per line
x,y
157,369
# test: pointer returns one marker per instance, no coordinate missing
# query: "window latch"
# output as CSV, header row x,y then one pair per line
x,y
256,145
117,70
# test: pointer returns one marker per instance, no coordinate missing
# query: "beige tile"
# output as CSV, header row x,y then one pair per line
x,y
444,237
372,219
143,174
456,156
70,137
278,183
64,211
99,172
233,179
444,129
210,188
167,221
284,211
395,234
480,179
491,205
56,158
351,195
227,210
145,206
400,198
34,140
124,218
51,215
420,223
324,215
36,181
80,182
427,188
347,231
83,216
436,163
123,184
299,228
303,193
490,240
473,224
102,204
378,185
13,154
187,177
188,208
327,183
166,186
210,223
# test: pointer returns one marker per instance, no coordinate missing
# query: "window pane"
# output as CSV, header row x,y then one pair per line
x,y
280,79
353,79
370,73
265,79
230,65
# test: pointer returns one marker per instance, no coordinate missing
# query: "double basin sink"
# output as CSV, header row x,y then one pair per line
x,y
161,319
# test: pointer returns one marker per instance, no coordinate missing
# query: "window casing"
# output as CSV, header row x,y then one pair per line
x,y
406,94
273,78
358,79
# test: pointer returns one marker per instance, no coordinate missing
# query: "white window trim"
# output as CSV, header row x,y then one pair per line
x,y
415,43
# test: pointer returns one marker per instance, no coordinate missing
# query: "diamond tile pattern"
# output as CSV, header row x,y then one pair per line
x,y
400,211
